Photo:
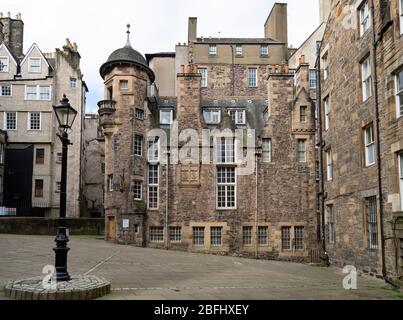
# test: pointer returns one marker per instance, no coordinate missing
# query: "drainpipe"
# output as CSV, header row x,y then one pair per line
x,y
257,208
166,200
378,143
321,146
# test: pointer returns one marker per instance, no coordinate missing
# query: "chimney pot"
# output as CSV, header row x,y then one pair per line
x,y
182,68
195,68
8,14
286,68
1,14
189,68
273,68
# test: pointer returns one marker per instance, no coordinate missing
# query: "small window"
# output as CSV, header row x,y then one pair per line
x,y
252,77
366,79
247,236
301,150
302,114
329,160
369,145
137,190
38,188
312,79
286,238
399,92
40,156
238,50
212,116
175,234
34,120
102,166
166,117
216,236
372,221
325,63
110,183
299,238
262,235
364,18
266,149
5,90
58,187
4,61
10,121
124,85
35,65
327,113
198,236
59,157
330,224
139,114
157,234
212,50
264,50
203,73
73,83
2,153
138,145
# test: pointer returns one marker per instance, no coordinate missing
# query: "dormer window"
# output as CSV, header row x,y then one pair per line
x,y
35,65
4,61
212,116
238,116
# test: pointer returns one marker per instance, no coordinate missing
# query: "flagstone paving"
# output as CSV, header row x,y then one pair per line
x,y
138,273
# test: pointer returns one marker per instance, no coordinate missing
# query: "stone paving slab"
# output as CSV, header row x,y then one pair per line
x,y
142,273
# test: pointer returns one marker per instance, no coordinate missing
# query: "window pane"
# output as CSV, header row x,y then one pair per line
x,y
153,152
286,238
44,93
35,121
247,236
263,235
198,236
40,156
5,90
38,188
156,234
372,222
299,238
266,150
203,73
165,116
252,81
31,92
3,64
216,236
175,234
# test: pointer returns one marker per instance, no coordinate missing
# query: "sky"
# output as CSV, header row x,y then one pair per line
x,y
99,26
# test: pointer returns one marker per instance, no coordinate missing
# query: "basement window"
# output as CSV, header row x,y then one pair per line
x,y
157,234
247,236
216,236
175,234
262,235
198,236
299,238
286,238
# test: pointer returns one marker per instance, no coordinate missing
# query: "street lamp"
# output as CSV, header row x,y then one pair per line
x,y
65,115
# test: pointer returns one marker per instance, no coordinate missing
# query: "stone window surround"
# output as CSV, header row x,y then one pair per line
x,y
31,66
39,186
263,235
2,90
303,114
302,150
264,50
291,238
5,68
198,236
40,156
247,234
216,236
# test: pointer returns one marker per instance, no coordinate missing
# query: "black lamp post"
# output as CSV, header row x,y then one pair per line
x,y
65,115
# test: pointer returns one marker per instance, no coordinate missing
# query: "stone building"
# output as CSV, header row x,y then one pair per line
x,y
246,180
30,84
3,143
362,83
94,167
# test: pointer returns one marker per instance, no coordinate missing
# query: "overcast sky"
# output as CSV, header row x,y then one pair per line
x,y
98,26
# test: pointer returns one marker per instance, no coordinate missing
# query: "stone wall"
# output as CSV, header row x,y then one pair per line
x,y
48,226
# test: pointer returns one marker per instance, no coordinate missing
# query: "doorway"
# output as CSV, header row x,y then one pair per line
x,y
111,236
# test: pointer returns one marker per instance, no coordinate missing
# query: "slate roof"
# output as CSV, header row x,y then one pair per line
x,y
237,41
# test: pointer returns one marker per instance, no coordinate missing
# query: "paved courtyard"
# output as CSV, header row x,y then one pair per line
x,y
137,273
